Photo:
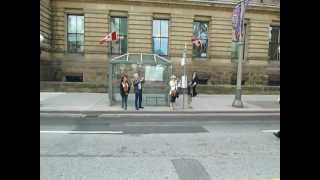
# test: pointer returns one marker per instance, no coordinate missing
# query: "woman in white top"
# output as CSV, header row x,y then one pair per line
x,y
173,91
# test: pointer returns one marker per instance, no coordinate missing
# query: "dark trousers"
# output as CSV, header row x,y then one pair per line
x,y
124,101
194,92
138,98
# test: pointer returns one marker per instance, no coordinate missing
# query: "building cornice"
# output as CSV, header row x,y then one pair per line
x,y
186,3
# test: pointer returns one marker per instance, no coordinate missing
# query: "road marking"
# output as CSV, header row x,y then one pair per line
x,y
188,115
190,169
269,131
82,132
62,115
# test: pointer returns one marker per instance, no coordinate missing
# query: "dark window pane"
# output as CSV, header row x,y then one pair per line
x,y
274,42
123,26
123,45
195,51
72,46
244,41
164,46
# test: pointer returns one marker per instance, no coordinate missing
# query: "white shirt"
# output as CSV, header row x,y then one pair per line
x,y
173,85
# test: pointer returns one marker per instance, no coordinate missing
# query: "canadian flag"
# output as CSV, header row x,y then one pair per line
x,y
109,37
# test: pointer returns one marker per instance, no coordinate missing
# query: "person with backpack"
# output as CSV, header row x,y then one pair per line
x,y
124,91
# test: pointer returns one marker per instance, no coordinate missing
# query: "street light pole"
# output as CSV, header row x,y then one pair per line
x,y
237,102
184,62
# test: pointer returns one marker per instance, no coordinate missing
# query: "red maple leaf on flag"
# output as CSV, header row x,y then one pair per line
x,y
109,37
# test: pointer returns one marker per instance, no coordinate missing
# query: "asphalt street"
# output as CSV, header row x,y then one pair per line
x,y
160,148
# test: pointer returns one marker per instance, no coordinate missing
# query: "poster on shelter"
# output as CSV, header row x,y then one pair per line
x,y
154,73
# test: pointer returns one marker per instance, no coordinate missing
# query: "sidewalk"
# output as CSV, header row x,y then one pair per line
x,y
203,103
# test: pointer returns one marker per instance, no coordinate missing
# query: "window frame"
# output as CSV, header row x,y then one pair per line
x,y
207,53
153,49
245,41
67,14
118,35
270,59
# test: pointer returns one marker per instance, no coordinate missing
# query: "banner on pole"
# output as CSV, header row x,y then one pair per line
x,y
237,20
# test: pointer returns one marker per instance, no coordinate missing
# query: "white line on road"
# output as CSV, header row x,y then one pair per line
x,y
62,115
269,131
188,115
82,132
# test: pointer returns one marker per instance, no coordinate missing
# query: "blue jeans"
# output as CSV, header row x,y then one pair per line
x,y
138,97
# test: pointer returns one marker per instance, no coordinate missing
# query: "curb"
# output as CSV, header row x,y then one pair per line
x,y
166,112
164,117
188,115
73,115
101,114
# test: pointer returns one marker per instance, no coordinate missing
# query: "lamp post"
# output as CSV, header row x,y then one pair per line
x,y
237,102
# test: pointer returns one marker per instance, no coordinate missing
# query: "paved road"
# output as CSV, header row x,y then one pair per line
x,y
159,148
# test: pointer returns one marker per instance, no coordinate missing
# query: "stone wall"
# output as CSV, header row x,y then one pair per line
x,y
45,23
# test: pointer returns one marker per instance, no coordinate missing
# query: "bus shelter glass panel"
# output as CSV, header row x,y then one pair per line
x,y
156,72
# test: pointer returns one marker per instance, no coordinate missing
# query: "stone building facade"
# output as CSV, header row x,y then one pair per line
x,y
73,28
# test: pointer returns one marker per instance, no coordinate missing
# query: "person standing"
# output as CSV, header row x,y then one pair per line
x,y
124,91
173,91
194,83
137,84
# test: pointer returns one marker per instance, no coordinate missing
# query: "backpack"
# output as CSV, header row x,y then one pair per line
x,y
126,88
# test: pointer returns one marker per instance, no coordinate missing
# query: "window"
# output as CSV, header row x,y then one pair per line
x,y
244,49
74,77
120,26
160,37
75,36
200,32
274,43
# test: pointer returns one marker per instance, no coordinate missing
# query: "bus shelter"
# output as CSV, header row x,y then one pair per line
x,y
156,71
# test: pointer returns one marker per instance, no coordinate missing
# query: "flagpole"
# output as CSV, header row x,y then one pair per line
x,y
237,102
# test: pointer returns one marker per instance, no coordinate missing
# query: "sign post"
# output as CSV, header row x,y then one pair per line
x,y
237,102
184,77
